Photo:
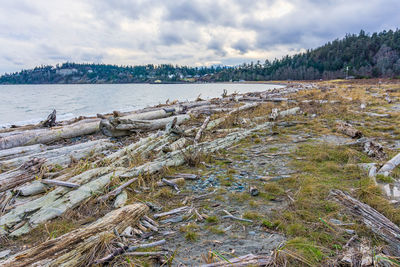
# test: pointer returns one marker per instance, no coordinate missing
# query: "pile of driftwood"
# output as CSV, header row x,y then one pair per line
x,y
39,181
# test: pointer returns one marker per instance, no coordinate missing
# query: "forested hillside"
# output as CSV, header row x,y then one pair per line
x,y
361,56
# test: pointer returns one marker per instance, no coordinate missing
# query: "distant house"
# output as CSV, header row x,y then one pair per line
x,y
65,72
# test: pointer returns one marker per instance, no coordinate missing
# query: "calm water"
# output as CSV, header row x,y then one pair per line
x,y
23,104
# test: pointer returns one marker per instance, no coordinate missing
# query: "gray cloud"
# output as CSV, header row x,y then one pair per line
x,y
195,32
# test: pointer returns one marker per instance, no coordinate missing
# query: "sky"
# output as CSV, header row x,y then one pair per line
x,y
191,32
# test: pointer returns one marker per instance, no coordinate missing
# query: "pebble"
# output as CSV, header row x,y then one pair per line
x,y
252,233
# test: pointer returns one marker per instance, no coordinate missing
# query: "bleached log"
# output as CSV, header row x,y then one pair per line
x,y
349,130
62,156
120,126
31,189
59,183
48,135
71,248
288,112
390,165
150,125
201,129
374,220
21,151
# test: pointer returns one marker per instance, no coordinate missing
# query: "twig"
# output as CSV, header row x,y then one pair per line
x,y
116,191
125,249
172,184
177,210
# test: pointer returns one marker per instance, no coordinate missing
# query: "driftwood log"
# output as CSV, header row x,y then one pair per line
x,y
373,219
390,165
44,136
146,121
70,249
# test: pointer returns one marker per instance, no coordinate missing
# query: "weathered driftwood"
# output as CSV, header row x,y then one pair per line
x,y
174,211
390,165
348,129
172,183
21,151
246,260
56,202
122,126
374,220
374,149
117,191
62,156
59,183
45,136
70,249
124,249
51,119
25,173
201,129
31,189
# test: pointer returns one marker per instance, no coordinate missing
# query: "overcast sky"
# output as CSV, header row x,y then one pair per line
x,y
191,32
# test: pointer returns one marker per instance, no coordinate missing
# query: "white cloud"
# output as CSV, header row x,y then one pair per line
x,y
191,32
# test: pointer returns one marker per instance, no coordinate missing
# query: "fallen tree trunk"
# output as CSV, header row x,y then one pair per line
x,y
21,151
48,135
119,126
70,249
149,125
374,220
62,156
390,165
